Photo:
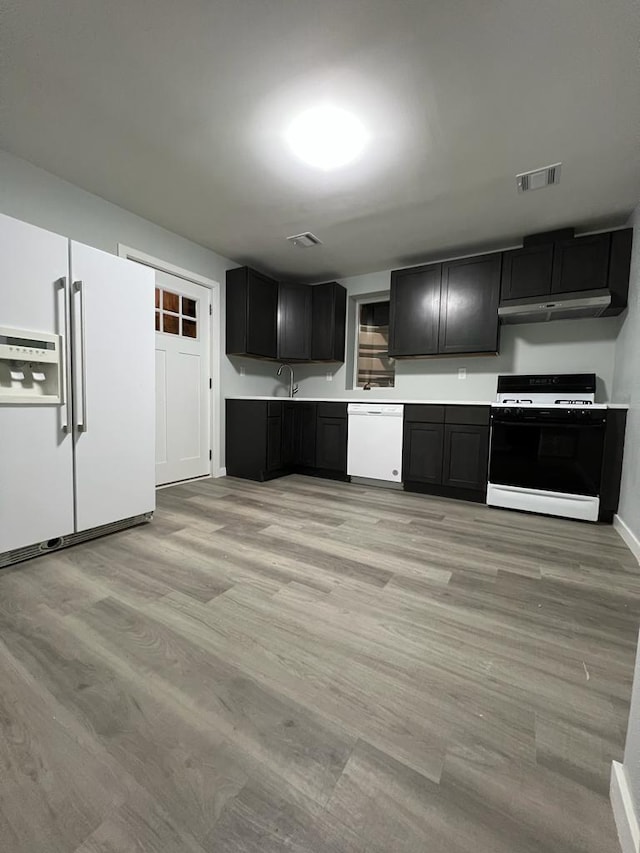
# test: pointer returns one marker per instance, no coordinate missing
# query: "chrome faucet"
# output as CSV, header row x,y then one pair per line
x,y
293,389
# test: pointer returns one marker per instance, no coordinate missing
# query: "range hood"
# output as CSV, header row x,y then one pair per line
x,y
566,307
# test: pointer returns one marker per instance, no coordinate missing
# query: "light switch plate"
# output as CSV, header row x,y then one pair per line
x,y
462,373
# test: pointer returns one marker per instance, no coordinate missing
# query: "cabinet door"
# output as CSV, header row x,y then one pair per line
x,y
329,307
289,434
414,317
422,453
274,444
306,451
581,264
527,272
294,322
331,444
469,308
466,450
262,312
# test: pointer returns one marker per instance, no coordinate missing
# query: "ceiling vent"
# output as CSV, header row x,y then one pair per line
x,y
304,241
536,179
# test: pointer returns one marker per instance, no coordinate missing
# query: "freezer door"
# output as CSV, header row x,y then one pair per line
x,y
36,453
114,387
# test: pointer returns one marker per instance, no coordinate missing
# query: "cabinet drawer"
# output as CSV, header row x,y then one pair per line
x,y
424,414
274,410
332,410
475,415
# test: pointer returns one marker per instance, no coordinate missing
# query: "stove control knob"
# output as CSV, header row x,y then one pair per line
x,y
506,411
519,412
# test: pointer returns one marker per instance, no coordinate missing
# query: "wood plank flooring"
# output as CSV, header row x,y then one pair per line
x,y
317,667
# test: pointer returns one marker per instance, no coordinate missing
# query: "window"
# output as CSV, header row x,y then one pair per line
x,y
175,314
373,366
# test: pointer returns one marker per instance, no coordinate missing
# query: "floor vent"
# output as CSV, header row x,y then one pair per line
x,y
537,179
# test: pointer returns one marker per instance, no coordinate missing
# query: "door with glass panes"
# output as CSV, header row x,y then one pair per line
x,y
183,371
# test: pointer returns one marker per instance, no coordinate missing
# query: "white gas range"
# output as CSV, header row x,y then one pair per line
x,y
547,445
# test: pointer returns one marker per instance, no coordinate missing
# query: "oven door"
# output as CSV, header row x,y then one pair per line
x,y
560,457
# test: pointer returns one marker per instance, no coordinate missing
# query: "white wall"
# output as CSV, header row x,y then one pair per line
x,y
626,389
567,346
36,196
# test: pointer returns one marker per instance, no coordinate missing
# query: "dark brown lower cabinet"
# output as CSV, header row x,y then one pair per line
x,y
422,452
274,443
446,450
466,451
266,439
254,439
331,444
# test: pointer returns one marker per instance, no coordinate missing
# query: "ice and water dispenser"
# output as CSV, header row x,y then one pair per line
x,y
30,367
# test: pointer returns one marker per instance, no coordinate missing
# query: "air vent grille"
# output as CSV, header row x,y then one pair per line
x,y
305,240
537,179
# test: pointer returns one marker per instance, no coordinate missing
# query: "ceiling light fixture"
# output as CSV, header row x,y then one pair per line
x,y
327,137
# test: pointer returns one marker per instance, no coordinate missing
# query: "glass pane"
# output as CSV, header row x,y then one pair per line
x,y
375,368
157,297
189,328
188,307
171,324
170,301
157,321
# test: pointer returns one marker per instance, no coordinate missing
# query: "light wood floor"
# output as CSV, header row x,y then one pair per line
x,y
316,667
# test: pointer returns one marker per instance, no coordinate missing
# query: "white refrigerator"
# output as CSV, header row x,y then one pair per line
x,y
77,392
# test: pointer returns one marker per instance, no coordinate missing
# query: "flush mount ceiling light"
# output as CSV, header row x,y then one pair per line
x,y
326,137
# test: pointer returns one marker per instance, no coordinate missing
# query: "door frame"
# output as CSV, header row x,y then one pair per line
x,y
214,341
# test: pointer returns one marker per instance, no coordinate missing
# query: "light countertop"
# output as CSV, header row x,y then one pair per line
x,y
360,399
376,400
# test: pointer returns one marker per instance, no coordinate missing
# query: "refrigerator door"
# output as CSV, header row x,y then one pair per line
x,y
114,387
36,453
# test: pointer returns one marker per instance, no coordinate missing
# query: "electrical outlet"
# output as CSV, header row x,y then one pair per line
x,y
462,373
242,370
329,377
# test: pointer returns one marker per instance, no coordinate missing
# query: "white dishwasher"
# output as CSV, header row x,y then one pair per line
x,y
374,447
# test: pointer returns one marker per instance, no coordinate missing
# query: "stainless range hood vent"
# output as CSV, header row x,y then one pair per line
x,y
528,311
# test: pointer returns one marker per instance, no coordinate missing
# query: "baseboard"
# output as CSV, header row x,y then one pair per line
x,y
221,472
623,810
628,535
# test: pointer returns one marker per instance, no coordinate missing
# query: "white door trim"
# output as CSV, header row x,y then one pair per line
x,y
215,329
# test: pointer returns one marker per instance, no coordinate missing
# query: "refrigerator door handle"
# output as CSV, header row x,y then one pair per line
x,y
65,415
78,286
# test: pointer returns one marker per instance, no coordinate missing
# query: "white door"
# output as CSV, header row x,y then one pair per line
x,y
113,375
36,449
183,371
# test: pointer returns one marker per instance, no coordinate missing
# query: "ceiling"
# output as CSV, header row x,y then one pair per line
x,y
176,111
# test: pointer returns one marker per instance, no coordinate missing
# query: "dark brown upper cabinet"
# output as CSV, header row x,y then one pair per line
x,y
414,318
581,264
294,322
596,262
469,305
329,314
289,321
527,272
442,309
251,314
